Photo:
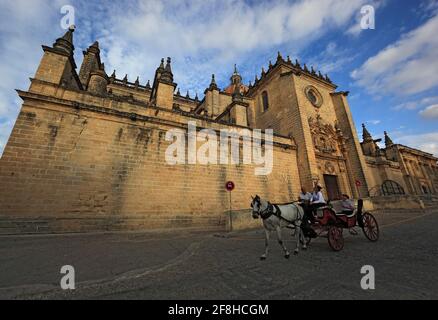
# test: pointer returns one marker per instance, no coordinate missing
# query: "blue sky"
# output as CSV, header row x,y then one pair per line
x,y
391,72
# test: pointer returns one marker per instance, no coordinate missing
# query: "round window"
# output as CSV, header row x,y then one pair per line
x,y
314,96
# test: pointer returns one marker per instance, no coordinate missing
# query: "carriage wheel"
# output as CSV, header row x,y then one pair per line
x,y
335,238
370,227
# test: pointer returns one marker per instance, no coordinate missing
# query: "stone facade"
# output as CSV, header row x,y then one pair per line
x,y
89,146
405,169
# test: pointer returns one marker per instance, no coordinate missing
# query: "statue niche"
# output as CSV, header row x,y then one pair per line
x,y
324,136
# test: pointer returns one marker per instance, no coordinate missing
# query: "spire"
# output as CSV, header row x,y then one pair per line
x,y
188,95
236,78
161,67
297,64
288,60
178,93
113,76
66,42
167,74
305,68
90,63
196,97
279,57
168,65
148,85
213,85
94,47
366,136
270,64
137,82
313,70
388,141
125,79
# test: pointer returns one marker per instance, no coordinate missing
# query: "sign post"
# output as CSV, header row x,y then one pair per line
x,y
358,185
229,186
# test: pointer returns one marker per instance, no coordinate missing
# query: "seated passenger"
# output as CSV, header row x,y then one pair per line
x,y
347,205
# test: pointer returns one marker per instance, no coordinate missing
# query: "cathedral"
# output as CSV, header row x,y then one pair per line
x,y
87,150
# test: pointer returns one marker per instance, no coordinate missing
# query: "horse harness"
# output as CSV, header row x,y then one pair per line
x,y
269,211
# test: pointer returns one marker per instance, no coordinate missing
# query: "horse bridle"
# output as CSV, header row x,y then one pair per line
x,y
264,214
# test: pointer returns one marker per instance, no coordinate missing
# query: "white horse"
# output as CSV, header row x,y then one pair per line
x,y
276,217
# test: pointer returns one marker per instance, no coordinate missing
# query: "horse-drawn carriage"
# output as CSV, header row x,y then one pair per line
x,y
331,221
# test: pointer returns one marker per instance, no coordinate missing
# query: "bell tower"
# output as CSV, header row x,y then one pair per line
x,y
57,65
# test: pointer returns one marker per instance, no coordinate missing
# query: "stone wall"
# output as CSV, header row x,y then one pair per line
x,y
104,161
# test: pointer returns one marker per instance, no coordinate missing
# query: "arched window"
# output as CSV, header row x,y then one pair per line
x,y
265,101
390,187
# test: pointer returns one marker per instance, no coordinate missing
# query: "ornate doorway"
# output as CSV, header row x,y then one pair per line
x,y
331,183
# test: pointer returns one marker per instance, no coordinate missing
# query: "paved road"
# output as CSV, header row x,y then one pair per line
x,y
206,266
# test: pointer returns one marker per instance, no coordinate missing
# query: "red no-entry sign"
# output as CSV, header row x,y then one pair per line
x,y
230,186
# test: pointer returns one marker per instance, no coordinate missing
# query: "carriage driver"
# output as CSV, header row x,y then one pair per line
x,y
305,197
317,200
304,201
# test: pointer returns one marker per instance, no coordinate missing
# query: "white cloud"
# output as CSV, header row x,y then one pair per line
x,y
207,37
202,37
23,27
430,112
354,30
374,122
417,104
332,59
427,142
405,67
427,8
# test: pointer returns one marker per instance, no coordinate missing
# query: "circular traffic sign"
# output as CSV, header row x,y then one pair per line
x,y
230,186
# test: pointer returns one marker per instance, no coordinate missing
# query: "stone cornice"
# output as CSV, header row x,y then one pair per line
x,y
344,93
326,156
293,71
134,117
380,161
401,147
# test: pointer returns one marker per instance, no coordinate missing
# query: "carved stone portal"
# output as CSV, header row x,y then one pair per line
x,y
324,136
330,168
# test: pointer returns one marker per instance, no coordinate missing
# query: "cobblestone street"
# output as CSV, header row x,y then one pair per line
x,y
224,266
